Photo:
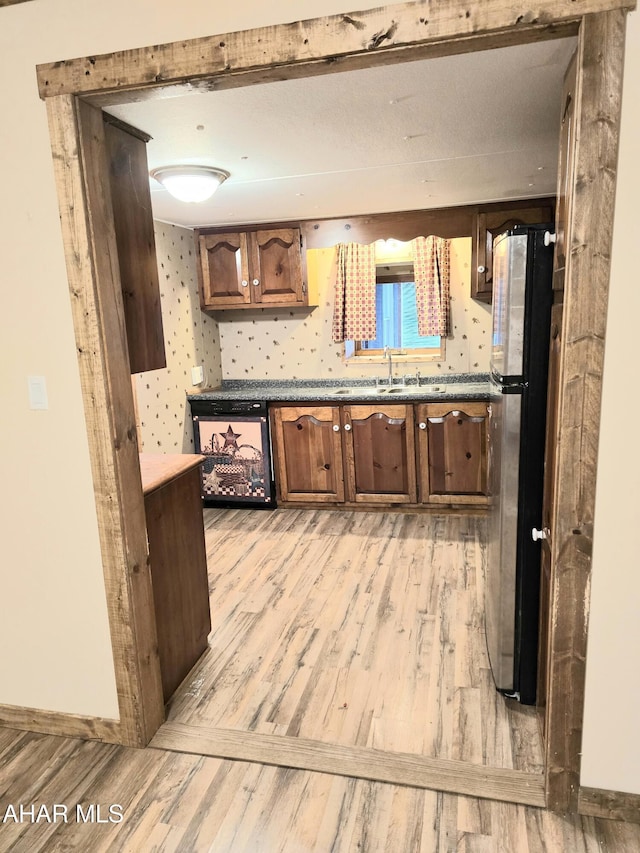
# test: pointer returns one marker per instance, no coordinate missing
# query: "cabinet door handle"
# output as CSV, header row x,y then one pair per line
x,y
422,425
256,281
336,428
244,282
347,427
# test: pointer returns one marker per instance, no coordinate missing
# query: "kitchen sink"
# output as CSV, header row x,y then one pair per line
x,y
370,390
357,392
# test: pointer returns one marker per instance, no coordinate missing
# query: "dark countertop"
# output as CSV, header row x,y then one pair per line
x,y
461,386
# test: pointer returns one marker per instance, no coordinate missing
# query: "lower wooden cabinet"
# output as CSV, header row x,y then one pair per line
x,y
372,454
452,452
307,444
379,453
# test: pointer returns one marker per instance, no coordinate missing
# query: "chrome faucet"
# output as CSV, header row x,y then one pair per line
x,y
387,354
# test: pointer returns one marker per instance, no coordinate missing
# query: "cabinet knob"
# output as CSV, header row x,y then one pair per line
x,y
539,534
336,428
422,425
256,281
549,238
347,427
482,269
244,282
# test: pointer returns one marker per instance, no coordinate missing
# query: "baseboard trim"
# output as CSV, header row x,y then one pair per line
x,y
59,723
616,805
416,509
457,777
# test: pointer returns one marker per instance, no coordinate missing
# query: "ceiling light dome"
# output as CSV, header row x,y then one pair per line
x,y
190,183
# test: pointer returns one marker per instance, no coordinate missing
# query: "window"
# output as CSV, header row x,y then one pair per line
x,y
397,320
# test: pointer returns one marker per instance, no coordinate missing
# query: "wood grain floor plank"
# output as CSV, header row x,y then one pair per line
x,y
381,612
176,802
474,816
337,816
224,792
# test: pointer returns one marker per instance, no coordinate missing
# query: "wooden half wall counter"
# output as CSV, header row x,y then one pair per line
x,y
175,528
380,36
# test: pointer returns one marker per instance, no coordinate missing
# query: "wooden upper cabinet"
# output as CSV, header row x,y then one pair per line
x,y
452,452
276,266
492,221
135,239
307,447
245,269
225,270
379,453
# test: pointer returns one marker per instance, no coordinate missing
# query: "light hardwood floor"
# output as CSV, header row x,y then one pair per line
x,y
354,628
174,803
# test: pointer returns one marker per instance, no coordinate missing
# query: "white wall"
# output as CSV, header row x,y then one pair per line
x,y
55,651
611,743
54,645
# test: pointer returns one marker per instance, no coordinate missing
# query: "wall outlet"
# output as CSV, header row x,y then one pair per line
x,y
38,398
197,375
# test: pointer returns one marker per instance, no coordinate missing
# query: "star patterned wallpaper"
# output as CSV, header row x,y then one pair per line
x,y
191,339
270,344
296,343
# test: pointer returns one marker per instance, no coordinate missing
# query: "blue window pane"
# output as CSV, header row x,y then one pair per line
x,y
397,319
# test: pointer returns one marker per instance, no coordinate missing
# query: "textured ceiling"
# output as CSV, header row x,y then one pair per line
x,y
433,133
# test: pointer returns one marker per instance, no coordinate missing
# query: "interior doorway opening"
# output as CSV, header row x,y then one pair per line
x,y
97,316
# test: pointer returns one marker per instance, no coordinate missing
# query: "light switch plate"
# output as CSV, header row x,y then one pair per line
x,y
197,375
38,392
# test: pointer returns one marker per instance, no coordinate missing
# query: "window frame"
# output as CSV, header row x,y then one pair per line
x,y
354,351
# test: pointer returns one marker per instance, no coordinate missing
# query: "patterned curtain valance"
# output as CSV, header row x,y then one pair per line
x,y
354,310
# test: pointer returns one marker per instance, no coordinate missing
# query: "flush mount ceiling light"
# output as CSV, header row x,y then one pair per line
x,y
190,183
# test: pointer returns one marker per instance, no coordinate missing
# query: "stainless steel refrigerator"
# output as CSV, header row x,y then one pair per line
x,y
522,299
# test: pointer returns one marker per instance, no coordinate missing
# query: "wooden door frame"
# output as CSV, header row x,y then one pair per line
x,y
386,35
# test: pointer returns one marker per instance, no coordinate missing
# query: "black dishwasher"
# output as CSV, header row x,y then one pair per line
x,y
233,437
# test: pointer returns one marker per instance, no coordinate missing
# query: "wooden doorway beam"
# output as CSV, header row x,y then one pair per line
x,y
389,34
86,214
588,240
